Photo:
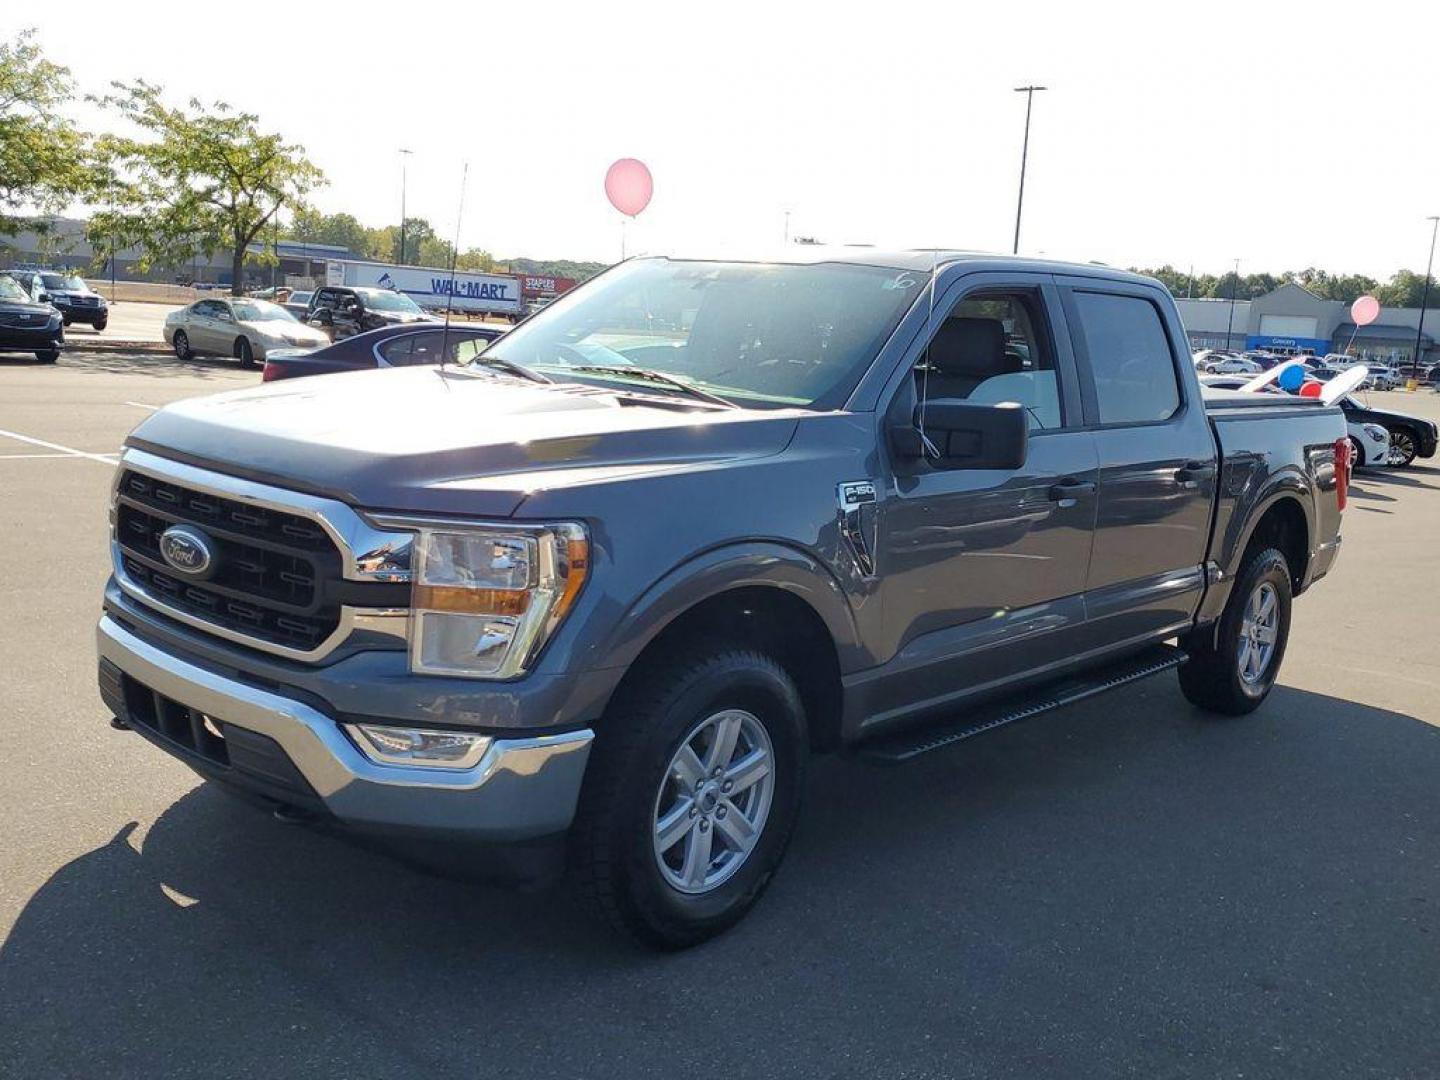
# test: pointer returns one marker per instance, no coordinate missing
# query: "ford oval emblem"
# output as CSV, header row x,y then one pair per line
x,y
187,550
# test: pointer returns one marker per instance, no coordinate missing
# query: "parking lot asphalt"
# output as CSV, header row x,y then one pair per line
x,y
130,321
1124,888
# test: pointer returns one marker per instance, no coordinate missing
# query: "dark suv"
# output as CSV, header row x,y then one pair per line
x,y
76,301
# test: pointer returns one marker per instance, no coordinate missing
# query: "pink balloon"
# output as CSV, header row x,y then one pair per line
x,y
1311,389
1365,310
628,186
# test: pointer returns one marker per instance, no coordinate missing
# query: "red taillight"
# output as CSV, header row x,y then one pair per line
x,y
1342,470
270,372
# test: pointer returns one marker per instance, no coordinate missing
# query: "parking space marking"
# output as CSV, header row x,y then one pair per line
x,y
104,459
33,457
142,405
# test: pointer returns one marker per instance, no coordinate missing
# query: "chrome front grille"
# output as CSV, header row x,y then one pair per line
x,y
283,571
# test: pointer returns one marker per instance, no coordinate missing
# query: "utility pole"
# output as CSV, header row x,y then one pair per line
x,y
787,228
1029,92
400,254
1424,297
1234,285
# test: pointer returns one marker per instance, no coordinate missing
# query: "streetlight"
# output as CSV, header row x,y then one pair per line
x,y
1424,297
400,254
1234,285
1029,92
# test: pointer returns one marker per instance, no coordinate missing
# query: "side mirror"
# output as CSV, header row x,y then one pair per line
x,y
966,435
44,298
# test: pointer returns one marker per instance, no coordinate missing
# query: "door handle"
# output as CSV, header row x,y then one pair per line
x,y
1193,472
1070,490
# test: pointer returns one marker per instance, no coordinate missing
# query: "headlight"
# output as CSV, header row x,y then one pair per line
x,y
1375,431
485,600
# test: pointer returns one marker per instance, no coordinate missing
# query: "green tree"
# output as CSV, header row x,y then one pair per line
x,y
1404,290
309,226
44,162
202,179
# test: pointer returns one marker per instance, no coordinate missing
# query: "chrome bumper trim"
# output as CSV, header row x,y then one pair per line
x,y
521,788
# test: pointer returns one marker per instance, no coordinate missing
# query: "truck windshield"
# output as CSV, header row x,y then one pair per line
x,y
765,335
383,300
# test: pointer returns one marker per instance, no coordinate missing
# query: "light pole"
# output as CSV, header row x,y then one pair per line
x,y
400,254
1424,297
787,227
1234,285
1029,92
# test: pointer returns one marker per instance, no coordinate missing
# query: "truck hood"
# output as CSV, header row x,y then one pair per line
x,y
450,441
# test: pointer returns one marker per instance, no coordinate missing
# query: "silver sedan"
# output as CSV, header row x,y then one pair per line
x,y
237,326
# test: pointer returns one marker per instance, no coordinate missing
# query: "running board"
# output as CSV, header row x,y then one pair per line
x,y
911,743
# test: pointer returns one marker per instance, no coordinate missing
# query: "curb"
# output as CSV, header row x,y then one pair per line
x,y
74,345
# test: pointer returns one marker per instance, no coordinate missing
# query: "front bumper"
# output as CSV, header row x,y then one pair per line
x,y
26,339
522,790
82,313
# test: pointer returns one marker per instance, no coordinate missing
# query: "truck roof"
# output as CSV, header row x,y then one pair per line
x,y
904,259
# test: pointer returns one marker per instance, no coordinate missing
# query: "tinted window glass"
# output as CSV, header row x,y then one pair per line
x,y
989,350
1130,358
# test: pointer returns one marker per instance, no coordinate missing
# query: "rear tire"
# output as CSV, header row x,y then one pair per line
x,y
244,353
1233,665
640,871
47,356
1357,454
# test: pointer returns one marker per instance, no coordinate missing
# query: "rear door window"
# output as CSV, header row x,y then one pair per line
x,y
1130,358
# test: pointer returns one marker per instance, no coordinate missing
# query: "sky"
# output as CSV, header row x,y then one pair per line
x,y
1285,135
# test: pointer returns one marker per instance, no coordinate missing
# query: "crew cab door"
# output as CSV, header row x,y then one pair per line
x,y
1157,459
981,572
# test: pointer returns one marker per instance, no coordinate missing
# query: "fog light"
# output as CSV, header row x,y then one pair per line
x,y
418,746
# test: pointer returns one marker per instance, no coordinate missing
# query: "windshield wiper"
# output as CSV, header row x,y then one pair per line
x,y
650,375
508,365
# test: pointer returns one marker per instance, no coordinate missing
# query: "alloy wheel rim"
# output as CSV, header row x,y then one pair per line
x,y
1402,448
713,801
1259,632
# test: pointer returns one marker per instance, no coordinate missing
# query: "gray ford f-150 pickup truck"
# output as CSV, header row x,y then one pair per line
x,y
594,597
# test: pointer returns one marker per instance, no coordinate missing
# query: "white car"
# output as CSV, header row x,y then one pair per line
x,y
1235,365
1369,444
237,326
1382,378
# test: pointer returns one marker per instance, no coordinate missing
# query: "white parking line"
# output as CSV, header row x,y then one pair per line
x,y
104,459
142,405
31,457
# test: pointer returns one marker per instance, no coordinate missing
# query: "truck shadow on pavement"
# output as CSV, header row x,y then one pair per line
x,y
1123,886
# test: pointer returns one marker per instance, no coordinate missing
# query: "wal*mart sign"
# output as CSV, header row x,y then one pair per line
x,y
473,290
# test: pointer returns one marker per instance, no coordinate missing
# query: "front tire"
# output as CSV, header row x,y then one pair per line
x,y
47,356
1402,448
691,795
100,324
1233,665
182,345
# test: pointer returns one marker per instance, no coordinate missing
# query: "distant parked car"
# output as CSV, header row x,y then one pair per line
x,y
298,302
1235,365
76,301
1381,377
389,346
26,325
343,311
236,326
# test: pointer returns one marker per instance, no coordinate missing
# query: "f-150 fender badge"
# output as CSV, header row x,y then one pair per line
x,y
853,496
